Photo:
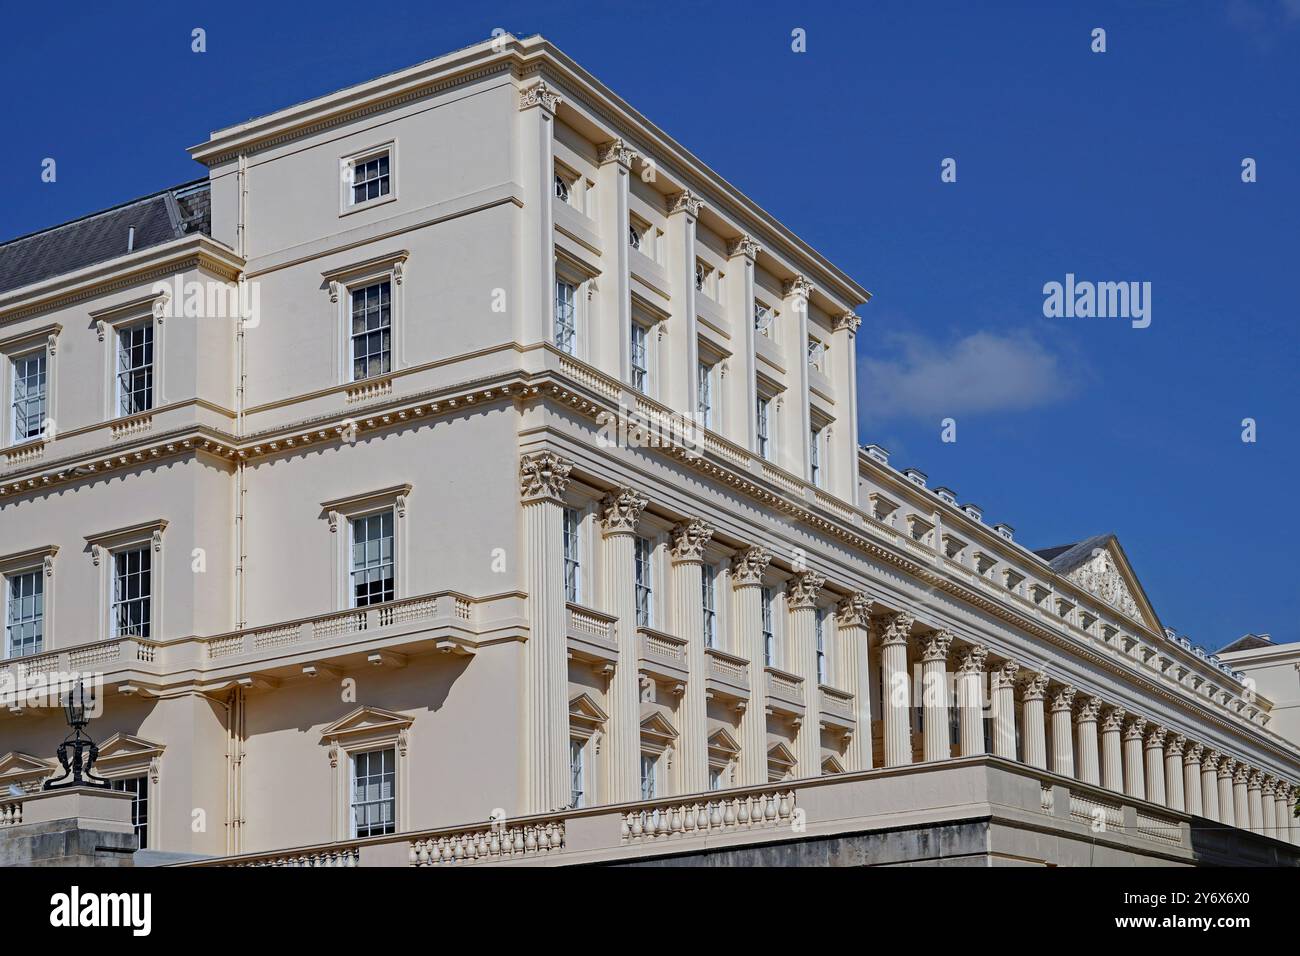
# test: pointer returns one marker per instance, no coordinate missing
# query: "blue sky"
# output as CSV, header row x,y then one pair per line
x,y
1121,166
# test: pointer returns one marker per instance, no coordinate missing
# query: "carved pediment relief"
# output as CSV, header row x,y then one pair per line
x,y
1100,575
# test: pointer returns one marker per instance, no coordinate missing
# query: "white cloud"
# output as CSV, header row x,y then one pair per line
x,y
913,377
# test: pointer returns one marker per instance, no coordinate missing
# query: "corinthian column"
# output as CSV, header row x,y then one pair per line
x,y
1004,709
747,569
1241,797
897,706
1112,759
1281,821
1290,814
543,477
1254,784
1031,723
853,615
690,538
1174,773
1210,785
970,698
1086,734
619,514
933,648
1062,711
1155,756
1134,784
1227,791
1192,779
1268,807
802,592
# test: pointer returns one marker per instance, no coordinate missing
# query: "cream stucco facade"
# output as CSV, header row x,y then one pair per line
x,y
527,482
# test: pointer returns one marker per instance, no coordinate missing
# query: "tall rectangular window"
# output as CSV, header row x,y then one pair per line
x,y
708,579
135,369
572,557
762,429
639,361
577,772
715,778
705,400
132,591
819,622
372,331
29,400
373,562
374,802
769,637
815,457
138,787
566,317
370,178
644,583
649,773
24,613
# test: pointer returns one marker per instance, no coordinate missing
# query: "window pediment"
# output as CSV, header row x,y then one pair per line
x,y
23,769
366,723
125,749
584,712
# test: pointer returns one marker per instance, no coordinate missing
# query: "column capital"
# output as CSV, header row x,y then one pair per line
x,y
1135,728
1156,738
690,538
1034,685
1176,746
1283,790
1063,698
848,322
685,201
616,151
1270,786
898,628
971,659
934,645
539,94
803,588
1241,774
744,245
1256,780
1227,766
1004,674
1193,753
1090,709
543,475
1114,719
621,509
747,566
797,288
854,610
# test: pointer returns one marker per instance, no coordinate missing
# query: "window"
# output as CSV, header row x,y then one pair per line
x,y
634,237
816,354
29,402
138,787
25,613
762,319
135,369
572,556
372,559
705,399
561,188
708,579
372,331
762,428
815,457
644,582
370,178
819,623
577,771
640,366
769,638
132,590
701,273
373,800
566,318
649,772
715,778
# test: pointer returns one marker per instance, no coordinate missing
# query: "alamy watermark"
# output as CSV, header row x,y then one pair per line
x,y
1084,299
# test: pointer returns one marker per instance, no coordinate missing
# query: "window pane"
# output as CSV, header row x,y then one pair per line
x,y
373,562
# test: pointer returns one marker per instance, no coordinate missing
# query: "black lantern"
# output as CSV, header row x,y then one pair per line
x,y
78,753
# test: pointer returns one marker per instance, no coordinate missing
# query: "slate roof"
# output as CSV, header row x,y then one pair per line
x,y
98,237
1066,557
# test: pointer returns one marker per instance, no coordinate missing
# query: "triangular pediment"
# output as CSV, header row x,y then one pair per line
x,y
781,755
831,764
123,748
656,725
15,766
366,721
584,707
722,741
1100,567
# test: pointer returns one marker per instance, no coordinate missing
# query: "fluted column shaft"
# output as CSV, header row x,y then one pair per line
x,y
620,511
1086,735
1241,797
1290,815
690,538
1062,711
1134,778
1280,820
1193,802
1004,709
1174,773
1112,759
1210,786
853,615
543,478
803,590
1031,723
1155,765
747,574
1268,808
1227,792
1254,785
970,699
896,707
933,648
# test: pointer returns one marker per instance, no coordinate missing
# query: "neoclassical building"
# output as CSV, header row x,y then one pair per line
x,y
462,471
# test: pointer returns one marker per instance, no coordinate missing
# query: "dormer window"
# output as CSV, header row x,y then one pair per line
x,y
946,495
915,476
